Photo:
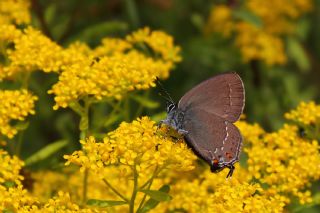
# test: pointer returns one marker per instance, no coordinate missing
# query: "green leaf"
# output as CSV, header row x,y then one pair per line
x,y
49,13
97,31
105,203
9,184
111,119
247,16
159,116
145,101
157,195
197,21
7,211
297,53
22,125
152,203
46,152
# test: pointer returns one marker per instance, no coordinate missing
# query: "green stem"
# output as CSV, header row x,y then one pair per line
x,y
126,109
85,186
135,189
140,108
19,144
25,79
155,174
132,13
84,128
115,190
148,187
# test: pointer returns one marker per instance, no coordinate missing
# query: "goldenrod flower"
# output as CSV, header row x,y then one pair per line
x,y
15,12
10,168
62,203
305,114
110,77
33,50
220,20
14,105
8,33
158,41
17,199
110,46
264,46
213,193
263,42
283,14
135,143
279,160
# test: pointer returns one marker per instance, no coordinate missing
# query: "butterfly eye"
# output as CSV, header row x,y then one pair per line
x,y
171,107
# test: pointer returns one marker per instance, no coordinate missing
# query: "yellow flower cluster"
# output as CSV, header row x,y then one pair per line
x,y
256,43
14,11
284,12
111,76
13,198
62,203
16,199
14,105
114,68
10,168
110,46
134,144
305,114
159,42
212,192
110,70
260,42
279,160
33,50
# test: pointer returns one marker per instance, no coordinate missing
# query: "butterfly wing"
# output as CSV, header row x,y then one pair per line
x,y
212,137
222,95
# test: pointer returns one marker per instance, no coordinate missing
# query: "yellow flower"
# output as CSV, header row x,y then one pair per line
x,y
111,46
210,192
62,203
159,42
279,160
8,33
14,105
283,14
33,50
220,20
135,143
10,168
264,46
263,42
109,77
305,114
14,11
17,199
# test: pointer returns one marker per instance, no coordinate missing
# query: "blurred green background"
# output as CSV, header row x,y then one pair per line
x,y
270,90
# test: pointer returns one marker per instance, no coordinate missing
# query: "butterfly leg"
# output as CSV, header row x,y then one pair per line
x,y
160,124
182,132
231,167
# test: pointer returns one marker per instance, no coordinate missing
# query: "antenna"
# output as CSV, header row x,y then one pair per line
x,y
166,94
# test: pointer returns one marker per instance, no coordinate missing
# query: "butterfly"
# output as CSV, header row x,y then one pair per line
x,y
204,116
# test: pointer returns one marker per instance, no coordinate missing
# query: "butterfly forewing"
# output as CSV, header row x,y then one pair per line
x,y
222,95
